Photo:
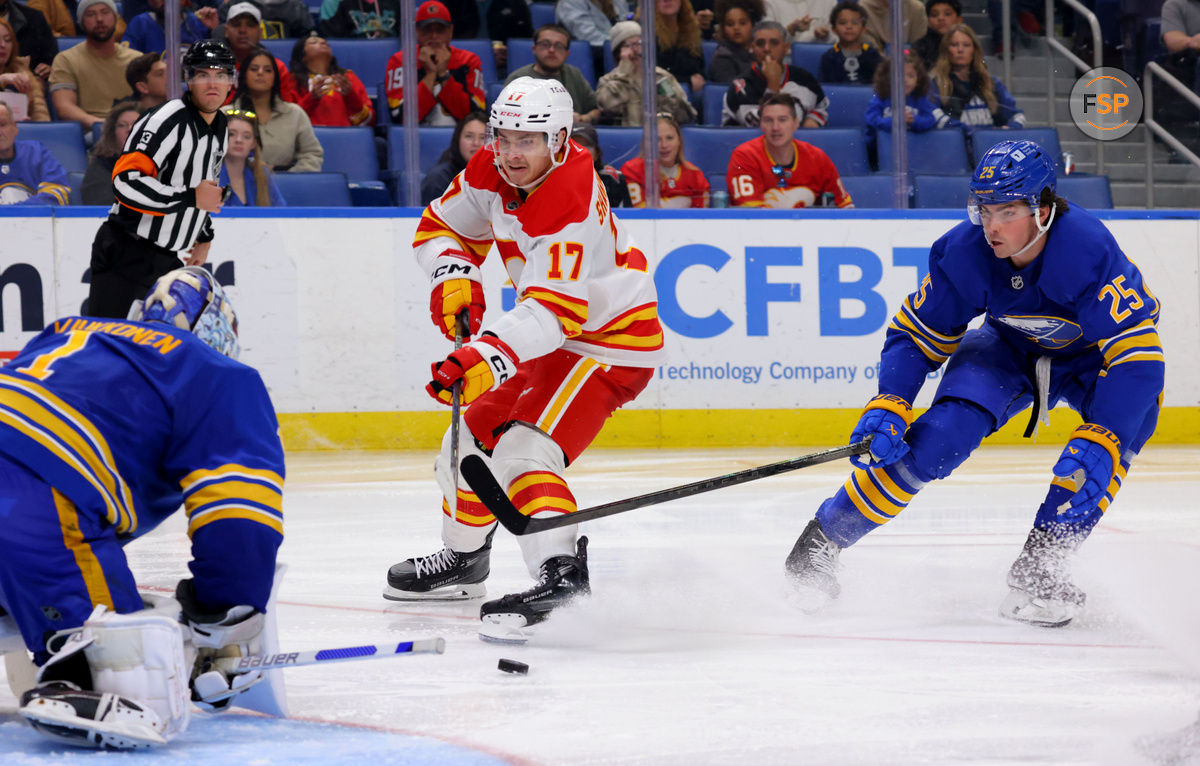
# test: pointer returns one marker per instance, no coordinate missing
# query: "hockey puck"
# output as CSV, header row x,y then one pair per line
x,y
512,666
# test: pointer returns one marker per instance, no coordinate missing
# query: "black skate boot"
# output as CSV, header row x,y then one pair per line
x,y
443,576
812,568
1041,591
560,580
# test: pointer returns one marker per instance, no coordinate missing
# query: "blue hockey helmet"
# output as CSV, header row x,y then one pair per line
x,y
1011,171
191,299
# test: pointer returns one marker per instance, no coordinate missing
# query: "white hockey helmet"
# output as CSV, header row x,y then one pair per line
x,y
535,106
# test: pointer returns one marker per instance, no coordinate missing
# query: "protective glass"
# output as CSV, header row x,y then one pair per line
x,y
1003,212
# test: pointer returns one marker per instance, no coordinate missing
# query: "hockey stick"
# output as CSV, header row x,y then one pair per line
x,y
460,321
480,477
325,656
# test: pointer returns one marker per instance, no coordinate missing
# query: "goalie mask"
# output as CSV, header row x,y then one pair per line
x,y
534,106
191,299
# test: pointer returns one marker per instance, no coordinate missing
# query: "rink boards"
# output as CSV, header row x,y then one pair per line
x,y
774,320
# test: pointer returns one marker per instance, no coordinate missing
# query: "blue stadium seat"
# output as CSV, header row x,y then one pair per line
x,y
66,42
366,58
709,148
708,48
542,14
493,92
76,182
432,141
716,182
941,191
845,146
985,138
520,53
873,191
808,56
351,152
281,49
482,49
619,145
609,63
1152,39
1090,191
314,189
64,139
847,104
934,152
714,101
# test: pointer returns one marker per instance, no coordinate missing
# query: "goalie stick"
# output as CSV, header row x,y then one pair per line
x,y
489,491
324,656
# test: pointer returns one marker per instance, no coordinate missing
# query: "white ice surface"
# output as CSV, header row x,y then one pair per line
x,y
689,652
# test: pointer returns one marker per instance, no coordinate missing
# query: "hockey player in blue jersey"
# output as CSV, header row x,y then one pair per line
x,y
107,427
1068,319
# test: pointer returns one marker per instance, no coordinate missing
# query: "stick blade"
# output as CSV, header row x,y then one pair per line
x,y
492,495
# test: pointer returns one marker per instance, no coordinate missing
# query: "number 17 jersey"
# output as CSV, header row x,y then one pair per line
x,y
561,246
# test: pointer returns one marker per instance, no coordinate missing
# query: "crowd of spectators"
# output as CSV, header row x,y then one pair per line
x,y
117,71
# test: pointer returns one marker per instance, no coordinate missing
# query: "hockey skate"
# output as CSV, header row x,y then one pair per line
x,y
812,568
63,712
443,576
1041,591
561,580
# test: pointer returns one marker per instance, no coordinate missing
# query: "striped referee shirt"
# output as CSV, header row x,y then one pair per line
x,y
170,150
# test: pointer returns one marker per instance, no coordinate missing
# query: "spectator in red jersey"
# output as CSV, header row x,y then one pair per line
x,y
680,183
242,34
449,79
776,170
331,96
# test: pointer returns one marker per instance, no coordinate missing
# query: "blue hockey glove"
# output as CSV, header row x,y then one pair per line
x,y
1086,466
886,418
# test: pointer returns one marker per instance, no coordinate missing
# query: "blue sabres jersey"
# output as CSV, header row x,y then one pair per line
x,y
1081,295
131,420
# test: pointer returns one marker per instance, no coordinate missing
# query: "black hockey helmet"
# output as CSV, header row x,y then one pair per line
x,y
208,54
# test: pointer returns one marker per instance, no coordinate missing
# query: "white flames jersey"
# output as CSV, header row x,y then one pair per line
x,y
561,246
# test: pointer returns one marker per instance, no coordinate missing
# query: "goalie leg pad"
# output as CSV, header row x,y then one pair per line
x,y
522,451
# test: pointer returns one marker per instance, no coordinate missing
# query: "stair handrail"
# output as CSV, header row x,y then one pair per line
x,y
1054,45
1154,129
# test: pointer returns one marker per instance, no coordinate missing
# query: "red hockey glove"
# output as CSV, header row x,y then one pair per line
x,y
456,288
481,365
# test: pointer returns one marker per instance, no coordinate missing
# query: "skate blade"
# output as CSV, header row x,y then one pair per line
x,y
1024,607
503,629
448,593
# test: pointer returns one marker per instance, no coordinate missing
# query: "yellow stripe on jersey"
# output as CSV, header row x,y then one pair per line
x,y
572,313
231,471
85,558
861,503
432,226
60,192
638,328
932,344
72,438
1137,344
566,393
221,491
233,511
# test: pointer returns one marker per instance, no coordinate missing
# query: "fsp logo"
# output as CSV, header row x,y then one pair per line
x,y
1106,103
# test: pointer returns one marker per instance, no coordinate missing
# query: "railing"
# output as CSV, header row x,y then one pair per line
x,y
1154,129
1080,64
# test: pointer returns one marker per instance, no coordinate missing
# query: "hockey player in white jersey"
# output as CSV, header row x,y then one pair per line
x,y
540,381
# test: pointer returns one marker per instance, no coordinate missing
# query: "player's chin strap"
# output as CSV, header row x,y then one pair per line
x,y
1041,230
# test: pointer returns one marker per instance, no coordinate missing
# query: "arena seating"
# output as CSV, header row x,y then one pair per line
x,y
1092,192
847,105
808,56
351,152
314,189
64,139
941,191
985,138
873,191
935,152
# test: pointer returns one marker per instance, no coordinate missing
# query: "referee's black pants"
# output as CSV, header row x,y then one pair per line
x,y
124,269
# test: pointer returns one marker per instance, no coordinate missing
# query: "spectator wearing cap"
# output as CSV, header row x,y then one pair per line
x,y
147,76
242,32
769,75
29,174
363,19
279,18
449,79
550,46
145,32
34,36
86,79
619,92
591,20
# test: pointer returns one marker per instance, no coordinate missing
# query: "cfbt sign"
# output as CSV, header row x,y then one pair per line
x,y
1106,103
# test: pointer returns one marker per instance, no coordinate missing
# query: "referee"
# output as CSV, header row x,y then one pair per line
x,y
165,184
